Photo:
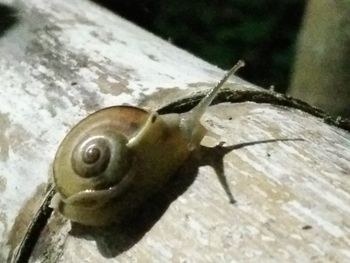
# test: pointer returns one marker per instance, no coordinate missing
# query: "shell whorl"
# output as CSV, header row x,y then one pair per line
x,y
95,155
102,156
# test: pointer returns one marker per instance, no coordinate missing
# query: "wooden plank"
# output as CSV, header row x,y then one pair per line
x,y
72,58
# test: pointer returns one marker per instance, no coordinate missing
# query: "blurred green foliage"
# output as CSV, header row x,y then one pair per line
x,y
261,32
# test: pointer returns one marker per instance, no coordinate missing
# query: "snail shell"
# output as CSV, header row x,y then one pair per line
x,y
112,160
106,154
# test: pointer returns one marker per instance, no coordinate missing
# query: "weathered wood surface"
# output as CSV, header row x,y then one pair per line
x,y
72,58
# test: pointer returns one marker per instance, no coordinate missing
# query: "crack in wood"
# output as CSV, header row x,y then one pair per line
x,y
34,229
258,96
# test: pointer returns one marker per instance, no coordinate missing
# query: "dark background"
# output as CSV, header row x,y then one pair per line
x,y
261,32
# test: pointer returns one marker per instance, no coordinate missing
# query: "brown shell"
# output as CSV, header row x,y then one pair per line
x,y
127,120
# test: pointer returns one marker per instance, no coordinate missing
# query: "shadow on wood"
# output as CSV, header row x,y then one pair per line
x,y
214,156
113,240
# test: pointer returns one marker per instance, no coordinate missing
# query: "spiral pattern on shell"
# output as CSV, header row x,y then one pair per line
x,y
94,155
104,154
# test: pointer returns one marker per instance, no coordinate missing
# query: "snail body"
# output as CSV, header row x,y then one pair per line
x,y
112,160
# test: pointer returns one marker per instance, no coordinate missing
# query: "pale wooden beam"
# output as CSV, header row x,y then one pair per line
x,y
66,59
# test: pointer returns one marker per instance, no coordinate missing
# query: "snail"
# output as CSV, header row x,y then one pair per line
x,y
112,160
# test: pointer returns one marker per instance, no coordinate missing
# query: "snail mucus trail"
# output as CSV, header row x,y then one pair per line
x,y
112,160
